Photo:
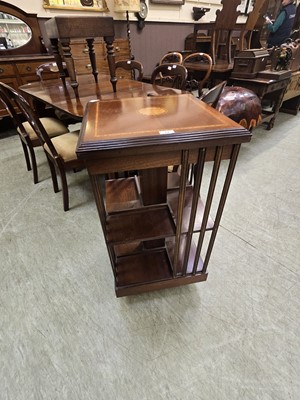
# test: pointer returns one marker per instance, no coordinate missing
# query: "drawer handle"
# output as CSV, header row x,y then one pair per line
x,y
28,68
88,66
117,48
85,50
1,70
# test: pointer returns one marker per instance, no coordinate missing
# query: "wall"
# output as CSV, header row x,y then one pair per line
x,y
157,12
166,26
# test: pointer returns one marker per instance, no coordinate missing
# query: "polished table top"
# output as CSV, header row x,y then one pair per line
x,y
132,133
55,94
137,121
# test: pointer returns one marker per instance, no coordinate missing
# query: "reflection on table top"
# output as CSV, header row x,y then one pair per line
x,y
54,93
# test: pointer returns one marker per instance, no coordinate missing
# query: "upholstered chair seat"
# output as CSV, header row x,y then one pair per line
x,y
53,126
65,146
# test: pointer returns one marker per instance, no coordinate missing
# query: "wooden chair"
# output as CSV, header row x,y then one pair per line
x,y
60,150
257,12
132,66
170,75
173,57
61,29
212,96
200,72
222,31
49,70
220,34
26,132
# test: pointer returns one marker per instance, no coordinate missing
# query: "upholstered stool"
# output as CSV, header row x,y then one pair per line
x,y
241,105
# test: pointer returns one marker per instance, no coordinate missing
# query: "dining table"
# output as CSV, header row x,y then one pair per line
x,y
56,94
154,157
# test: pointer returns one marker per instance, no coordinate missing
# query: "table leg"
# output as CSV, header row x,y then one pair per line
x,y
278,96
111,61
66,49
58,59
90,43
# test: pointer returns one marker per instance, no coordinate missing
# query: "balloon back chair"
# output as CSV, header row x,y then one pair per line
x,y
173,57
170,75
50,70
199,66
135,67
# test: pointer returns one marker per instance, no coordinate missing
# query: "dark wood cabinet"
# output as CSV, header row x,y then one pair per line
x,y
18,64
291,99
34,45
18,70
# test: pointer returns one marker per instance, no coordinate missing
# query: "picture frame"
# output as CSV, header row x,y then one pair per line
x,y
169,2
76,5
246,6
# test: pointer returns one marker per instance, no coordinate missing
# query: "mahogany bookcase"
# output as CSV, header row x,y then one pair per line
x,y
158,206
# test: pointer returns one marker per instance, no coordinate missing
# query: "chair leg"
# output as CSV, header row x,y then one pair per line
x,y
64,185
53,175
26,155
65,191
33,163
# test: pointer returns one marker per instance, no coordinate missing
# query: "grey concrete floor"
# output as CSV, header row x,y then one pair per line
x,y
64,334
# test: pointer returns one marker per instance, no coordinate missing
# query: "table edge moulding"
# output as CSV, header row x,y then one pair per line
x,y
158,230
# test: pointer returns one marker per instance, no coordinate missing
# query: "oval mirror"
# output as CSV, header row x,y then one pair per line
x,y
14,32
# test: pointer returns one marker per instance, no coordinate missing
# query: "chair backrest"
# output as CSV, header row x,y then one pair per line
x,y
133,66
173,57
170,75
223,28
12,108
12,96
212,96
202,62
49,70
62,29
253,17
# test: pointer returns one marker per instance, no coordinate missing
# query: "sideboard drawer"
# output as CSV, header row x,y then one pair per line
x,y
29,78
121,49
83,66
28,68
81,50
6,70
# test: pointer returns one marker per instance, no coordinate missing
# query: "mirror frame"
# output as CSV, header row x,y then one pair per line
x,y
34,46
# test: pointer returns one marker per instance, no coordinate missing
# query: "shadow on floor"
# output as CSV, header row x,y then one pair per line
x,y
7,128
